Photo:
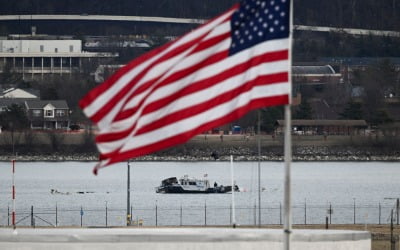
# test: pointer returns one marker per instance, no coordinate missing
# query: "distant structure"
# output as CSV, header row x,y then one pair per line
x,y
37,55
16,96
48,114
19,93
87,17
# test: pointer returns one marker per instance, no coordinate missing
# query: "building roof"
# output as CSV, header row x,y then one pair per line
x,y
5,102
313,70
322,110
20,93
345,123
40,104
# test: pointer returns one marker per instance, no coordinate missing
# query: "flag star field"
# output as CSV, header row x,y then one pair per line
x,y
256,21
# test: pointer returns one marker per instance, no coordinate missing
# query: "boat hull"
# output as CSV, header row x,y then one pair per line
x,y
181,190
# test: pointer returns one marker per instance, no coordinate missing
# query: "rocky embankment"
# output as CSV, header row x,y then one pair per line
x,y
185,153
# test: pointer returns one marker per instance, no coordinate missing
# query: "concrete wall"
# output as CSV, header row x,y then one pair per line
x,y
181,238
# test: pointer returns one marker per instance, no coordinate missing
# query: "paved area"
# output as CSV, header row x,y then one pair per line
x,y
179,238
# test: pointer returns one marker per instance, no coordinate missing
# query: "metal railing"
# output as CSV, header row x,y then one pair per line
x,y
105,216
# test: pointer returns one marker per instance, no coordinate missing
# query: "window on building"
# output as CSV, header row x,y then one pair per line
x,y
71,48
60,112
41,48
36,112
49,113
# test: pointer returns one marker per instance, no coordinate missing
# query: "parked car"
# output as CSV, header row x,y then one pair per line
x,y
75,127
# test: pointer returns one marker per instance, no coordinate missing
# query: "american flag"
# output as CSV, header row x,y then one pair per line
x,y
236,62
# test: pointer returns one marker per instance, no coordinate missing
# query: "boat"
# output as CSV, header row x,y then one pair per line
x,y
192,185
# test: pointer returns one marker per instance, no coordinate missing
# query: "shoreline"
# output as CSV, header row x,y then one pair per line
x,y
193,152
188,158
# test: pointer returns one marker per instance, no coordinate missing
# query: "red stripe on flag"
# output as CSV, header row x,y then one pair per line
x,y
184,137
170,94
268,57
175,76
217,100
206,83
99,90
118,96
178,75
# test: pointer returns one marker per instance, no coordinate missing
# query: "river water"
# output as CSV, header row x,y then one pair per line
x,y
364,192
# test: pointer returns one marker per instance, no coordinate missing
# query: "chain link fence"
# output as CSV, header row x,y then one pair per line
x,y
306,213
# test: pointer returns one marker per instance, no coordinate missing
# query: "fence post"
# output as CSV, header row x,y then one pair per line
x,y
354,210
32,219
230,214
205,213
81,213
156,215
379,213
392,241
326,222
106,215
56,215
180,221
255,214
305,212
397,210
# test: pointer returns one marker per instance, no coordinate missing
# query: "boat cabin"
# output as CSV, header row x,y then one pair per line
x,y
194,184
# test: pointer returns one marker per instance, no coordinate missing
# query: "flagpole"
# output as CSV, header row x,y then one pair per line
x,y
128,203
287,179
13,193
259,167
288,148
233,195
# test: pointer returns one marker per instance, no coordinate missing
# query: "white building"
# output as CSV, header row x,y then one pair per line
x,y
41,46
32,57
18,93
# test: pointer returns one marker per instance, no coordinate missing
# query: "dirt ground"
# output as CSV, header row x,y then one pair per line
x,y
373,228
380,234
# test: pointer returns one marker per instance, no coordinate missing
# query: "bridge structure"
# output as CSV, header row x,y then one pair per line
x,y
86,17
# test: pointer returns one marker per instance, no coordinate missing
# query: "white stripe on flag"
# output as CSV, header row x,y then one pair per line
x,y
197,120
202,74
202,96
98,103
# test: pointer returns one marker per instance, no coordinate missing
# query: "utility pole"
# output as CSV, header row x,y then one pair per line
x,y
128,204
